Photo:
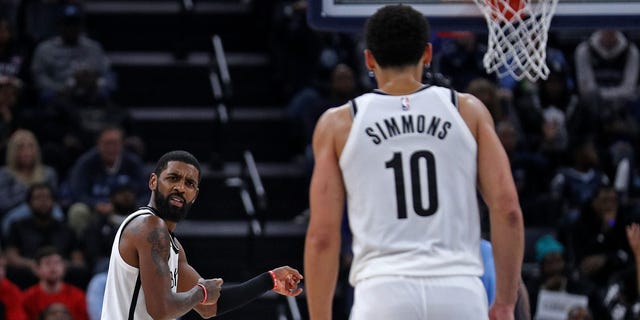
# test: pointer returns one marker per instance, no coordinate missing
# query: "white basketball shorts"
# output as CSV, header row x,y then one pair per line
x,y
420,298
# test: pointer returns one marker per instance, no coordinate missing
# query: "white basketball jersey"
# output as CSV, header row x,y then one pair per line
x,y
410,168
124,297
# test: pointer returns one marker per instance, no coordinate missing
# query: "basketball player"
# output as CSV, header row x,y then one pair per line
x,y
149,276
408,158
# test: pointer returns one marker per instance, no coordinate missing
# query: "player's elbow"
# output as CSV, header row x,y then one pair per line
x,y
511,217
155,313
514,218
158,311
321,241
506,207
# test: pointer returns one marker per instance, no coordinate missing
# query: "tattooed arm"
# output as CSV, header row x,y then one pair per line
x,y
145,244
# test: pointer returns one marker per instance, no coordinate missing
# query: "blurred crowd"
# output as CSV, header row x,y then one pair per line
x,y
69,173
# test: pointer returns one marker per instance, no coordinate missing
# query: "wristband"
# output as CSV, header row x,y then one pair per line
x,y
204,289
275,280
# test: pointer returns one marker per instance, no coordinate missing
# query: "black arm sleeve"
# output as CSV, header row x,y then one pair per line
x,y
235,296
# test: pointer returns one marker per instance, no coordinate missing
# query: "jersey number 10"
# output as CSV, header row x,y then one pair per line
x,y
416,189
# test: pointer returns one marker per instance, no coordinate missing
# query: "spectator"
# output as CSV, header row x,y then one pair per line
x,y
496,100
74,82
460,59
309,103
555,137
23,169
530,172
576,183
622,297
558,90
618,125
511,141
71,63
10,88
10,295
598,240
28,235
55,311
97,172
558,104
544,107
98,238
607,66
579,313
12,57
621,161
24,211
555,273
51,288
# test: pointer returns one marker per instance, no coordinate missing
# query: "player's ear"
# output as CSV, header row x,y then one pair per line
x,y
153,181
427,55
369,59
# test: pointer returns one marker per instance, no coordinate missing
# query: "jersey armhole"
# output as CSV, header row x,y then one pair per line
x,y
353,108
138,213
454,99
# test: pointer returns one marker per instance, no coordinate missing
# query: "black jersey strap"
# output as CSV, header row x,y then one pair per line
x,y
154,211
354,108
454,99
138,213
134,298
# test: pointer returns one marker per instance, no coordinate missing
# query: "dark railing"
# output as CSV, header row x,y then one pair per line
x,y
220,82
252,194
221,63
256,181
249,185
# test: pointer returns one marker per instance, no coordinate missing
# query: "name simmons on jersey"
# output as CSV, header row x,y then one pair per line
x,y
407,124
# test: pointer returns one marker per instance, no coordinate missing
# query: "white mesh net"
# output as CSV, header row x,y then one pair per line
x,y
517,37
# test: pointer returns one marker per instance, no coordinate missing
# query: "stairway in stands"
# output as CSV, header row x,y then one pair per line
x,y
162,55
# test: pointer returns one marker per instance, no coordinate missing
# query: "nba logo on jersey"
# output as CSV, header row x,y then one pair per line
x,y
405,103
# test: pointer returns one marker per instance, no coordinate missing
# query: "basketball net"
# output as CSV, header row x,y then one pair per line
x,y
517,37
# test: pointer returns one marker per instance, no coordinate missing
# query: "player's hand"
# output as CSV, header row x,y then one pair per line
x,y
287,280
501,312
213,289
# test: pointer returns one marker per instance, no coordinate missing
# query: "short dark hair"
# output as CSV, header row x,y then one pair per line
x,y
46,251
177,155
38,186
45,312
109,127
397,35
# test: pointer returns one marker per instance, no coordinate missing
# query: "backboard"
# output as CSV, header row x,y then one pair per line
x,y
462,15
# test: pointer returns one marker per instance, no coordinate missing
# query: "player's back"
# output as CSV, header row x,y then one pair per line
x,y
410,168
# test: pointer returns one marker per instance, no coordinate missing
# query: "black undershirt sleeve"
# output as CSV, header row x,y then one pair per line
x,y
235,296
